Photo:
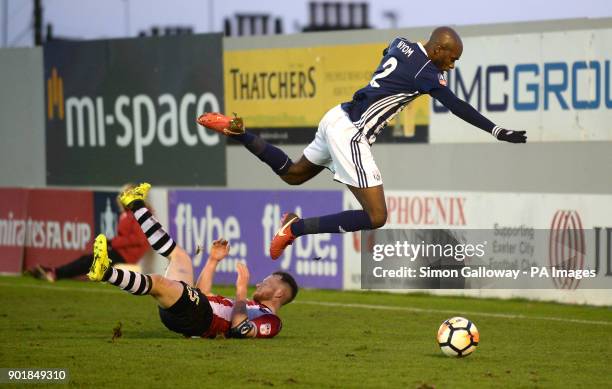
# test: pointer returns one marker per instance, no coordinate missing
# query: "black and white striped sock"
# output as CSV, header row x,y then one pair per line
x,y
130,281
157,236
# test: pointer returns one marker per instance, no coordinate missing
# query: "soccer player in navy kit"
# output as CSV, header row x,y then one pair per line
x,y
347,131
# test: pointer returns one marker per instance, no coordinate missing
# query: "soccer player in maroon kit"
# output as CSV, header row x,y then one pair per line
x,y
189,308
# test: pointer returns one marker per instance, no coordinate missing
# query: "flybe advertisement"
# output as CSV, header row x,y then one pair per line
x,y
123,110
555,85
249,220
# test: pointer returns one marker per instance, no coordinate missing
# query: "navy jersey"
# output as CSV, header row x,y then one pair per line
x,y
405,72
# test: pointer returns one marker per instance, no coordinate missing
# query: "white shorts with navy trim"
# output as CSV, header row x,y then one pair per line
x,y
341,148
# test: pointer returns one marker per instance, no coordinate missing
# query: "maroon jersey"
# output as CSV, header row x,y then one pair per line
x,y
267,324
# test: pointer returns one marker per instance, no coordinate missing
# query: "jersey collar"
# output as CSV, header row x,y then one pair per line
x,y
427,56
422,49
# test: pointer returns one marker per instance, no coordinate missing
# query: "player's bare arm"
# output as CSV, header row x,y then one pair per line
x,y
241,326
218,250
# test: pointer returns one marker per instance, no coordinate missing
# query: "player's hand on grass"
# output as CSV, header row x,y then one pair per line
x,y
509,135
219,249
242,281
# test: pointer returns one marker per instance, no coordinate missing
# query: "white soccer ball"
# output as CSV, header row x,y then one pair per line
x,y
458,337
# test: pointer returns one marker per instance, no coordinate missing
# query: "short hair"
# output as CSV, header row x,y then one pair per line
x,y
290,281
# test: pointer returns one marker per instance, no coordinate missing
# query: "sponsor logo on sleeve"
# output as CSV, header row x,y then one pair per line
x,y
265,329
442,79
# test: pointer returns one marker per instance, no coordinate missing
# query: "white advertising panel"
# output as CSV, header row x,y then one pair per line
x,y
555,85
513,217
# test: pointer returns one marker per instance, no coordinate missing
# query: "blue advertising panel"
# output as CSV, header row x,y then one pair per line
x,y
249,220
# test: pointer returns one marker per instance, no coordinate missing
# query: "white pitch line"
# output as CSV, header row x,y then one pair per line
x,y
449,311
352,305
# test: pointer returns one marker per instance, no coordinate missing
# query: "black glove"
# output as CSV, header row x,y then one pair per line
x,y
509,135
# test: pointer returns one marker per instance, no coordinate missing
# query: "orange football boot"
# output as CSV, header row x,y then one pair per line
x,y
222,124
284,237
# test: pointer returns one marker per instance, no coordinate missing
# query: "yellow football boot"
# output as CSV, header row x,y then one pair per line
x,y
137,193
101,261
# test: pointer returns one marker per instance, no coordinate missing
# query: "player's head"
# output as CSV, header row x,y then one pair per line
x,y
279,286
444,47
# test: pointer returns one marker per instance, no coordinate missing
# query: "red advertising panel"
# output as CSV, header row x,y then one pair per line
x,y
60,226
13,227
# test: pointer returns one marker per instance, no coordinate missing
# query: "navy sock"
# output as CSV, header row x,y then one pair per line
x,y
339,222
245,138
270,155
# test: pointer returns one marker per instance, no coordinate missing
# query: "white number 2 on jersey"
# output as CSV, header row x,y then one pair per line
x,y
389,66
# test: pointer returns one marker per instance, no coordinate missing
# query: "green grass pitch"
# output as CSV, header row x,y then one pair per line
x,y
329,339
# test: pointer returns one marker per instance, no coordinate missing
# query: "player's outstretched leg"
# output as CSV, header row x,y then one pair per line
x,y
165,291
101,270
234,128
72,269
134,200
373,215
180,267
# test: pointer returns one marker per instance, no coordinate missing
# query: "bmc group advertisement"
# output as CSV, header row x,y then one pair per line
x,y
523,80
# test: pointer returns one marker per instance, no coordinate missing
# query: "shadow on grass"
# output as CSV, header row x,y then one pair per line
x,y
442,356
